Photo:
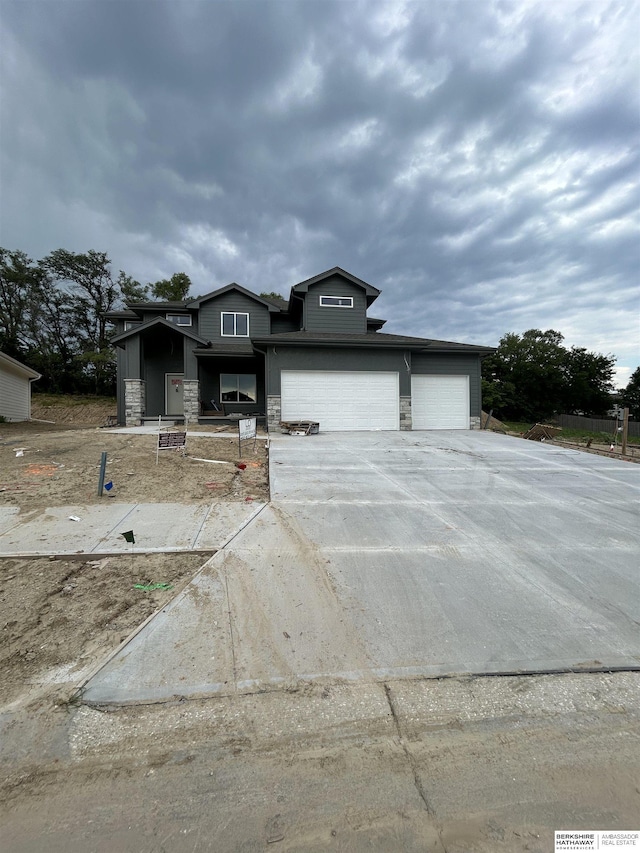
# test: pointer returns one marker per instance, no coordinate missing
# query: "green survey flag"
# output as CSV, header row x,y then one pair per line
x,y
129,536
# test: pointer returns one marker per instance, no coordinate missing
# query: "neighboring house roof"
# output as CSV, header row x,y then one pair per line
x,y
124,314
157,321
18,367
280,302
376,339
271,304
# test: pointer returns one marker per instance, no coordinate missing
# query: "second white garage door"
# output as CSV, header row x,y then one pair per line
x,y
341,400
440,402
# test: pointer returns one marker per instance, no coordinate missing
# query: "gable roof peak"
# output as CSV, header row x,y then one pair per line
x,y
269,303
370,291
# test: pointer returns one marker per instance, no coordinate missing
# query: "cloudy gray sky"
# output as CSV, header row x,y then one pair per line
x,y
477,160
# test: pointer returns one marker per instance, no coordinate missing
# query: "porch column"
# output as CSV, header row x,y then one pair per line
x,y
405,413
191,400
273,413
134,397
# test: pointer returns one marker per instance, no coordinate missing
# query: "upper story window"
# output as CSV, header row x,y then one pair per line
x,y
179,319
336,301
130,324
234,324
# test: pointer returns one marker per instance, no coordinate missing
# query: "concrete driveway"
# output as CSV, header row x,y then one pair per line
x,y
470,551
387,555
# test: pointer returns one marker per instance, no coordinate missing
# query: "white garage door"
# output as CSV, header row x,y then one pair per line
x,y
440,402
341,400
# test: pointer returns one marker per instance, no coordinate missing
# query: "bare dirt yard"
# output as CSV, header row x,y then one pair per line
x,y
58,464
59,617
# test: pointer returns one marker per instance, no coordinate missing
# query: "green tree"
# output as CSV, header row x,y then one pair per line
x,y
174,289
589,382
86,278
630,397
524,377
272,295
20,289
533,376
131,291
54,351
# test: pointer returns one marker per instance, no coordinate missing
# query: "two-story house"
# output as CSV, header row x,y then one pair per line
x,y
317,356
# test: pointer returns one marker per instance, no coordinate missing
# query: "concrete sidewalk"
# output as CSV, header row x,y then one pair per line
x,y
390,556
96,529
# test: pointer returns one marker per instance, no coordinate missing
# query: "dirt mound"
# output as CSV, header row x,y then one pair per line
x,y
72,411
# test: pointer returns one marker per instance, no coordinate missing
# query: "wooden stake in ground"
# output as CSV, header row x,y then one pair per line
x,y
625,430
103,466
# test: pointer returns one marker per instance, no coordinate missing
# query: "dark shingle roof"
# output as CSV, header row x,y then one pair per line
x,y
371,339
221,348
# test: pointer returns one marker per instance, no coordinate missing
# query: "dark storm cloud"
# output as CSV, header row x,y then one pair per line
x,y
477,161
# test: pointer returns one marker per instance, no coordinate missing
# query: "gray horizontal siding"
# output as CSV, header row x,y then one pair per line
x,y
209,319
317,358
319,319
452,364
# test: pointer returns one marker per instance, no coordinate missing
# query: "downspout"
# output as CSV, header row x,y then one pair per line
x,y
266,374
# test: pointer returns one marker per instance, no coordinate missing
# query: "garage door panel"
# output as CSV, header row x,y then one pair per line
x,y
440,402
341,400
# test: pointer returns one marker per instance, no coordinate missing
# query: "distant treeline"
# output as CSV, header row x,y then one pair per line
x,y
52,315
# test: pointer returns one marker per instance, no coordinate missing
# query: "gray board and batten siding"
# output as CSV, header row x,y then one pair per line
x,y
163,352
210,313
282,357
319,318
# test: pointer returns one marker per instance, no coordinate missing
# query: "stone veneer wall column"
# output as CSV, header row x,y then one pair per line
x,y
405,413
474,423
191,400
274,410
134,394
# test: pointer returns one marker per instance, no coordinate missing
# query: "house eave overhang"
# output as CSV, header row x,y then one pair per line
x,y
18,367
120,339
373,341
220,349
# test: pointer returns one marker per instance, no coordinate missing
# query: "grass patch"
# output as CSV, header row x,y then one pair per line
x,y
577,436
70,399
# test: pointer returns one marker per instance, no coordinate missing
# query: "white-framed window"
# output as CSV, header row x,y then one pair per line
x,y
234,324
238,388
179,319
336,301
131,324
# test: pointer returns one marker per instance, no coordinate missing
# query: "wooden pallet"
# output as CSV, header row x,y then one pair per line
x,y
300,427
542,432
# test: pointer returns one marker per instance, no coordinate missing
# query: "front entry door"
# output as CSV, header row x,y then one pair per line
x,y
173,394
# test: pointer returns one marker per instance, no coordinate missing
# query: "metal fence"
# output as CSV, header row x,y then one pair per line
x,y
607,425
